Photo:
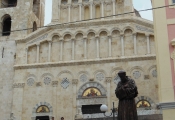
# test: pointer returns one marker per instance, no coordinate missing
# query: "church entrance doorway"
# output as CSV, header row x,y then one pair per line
x,y
91,109
42,118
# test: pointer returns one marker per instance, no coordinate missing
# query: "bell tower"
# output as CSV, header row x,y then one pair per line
x,y
20,15
14,15
64,11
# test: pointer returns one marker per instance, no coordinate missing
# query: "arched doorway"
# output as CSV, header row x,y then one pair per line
x,y
6,26
42,111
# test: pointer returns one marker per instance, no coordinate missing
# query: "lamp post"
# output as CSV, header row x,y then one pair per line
x,y
104,108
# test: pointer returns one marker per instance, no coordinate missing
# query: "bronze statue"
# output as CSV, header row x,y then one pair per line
x,y
126,91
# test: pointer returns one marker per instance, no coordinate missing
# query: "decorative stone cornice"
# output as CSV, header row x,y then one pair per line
x,y
54,83
86,61
18,85
167,105
116,21
75,81
108,79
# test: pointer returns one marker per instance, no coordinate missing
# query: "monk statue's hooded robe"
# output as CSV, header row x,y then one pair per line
x,y
126,92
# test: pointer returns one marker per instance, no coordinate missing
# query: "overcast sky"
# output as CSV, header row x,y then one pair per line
x,y
138,4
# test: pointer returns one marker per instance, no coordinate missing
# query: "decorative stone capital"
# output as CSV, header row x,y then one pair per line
x,y
109,36
54,83
49,41
120,1
18,85
108,79
38,84
134,34
97,36
75,81
37,44
147,35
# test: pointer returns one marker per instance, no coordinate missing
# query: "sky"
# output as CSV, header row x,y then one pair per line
x,y
138,4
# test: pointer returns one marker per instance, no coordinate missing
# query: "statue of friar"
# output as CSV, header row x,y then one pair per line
x,y
126,91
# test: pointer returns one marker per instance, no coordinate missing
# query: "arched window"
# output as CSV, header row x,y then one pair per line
x,y
74,1
12,3
36,7
97,11
6,26
34,26
63,1
86,13
8,3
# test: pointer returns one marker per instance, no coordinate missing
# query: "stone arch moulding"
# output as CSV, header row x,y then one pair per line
x,y
137,67
47,74
115,69
67,33
50,114
128,27
77,32
101,30
153,66
91,30
113,29
53,34
65,71
91,84
139,98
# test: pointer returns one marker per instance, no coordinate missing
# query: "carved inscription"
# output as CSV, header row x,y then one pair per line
x,y
18,85
92,101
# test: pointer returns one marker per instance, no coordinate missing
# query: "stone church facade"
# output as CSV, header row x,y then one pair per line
x,y
59,70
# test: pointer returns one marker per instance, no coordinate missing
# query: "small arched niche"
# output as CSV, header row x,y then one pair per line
x,y
6,25
63,1
8,3
34,26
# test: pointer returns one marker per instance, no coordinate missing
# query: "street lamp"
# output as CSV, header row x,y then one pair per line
x,y
104,108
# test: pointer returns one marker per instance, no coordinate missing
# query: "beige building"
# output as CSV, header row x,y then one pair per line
x,y
69,68
165,42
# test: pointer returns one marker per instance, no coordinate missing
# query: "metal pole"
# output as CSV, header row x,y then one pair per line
x,y
113,111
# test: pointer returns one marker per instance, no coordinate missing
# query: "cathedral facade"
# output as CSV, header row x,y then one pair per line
x,y
69,68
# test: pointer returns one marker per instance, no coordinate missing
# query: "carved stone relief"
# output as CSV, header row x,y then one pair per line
x,y
65,83
83,78
100,76
18,85
136,74
92,101
47,80
54,83
117,79
30,82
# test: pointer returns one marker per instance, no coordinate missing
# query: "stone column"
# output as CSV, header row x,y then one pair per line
x,y
37,57
74,85
26,55
148,43
97,46
102,10
85,48
122,45
56,8
61,51
69,13
135,43
108,81
109,46
91,10
49,52
80,11
113,3
73,49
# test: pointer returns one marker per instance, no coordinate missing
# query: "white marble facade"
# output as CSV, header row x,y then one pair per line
x,y
53,66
